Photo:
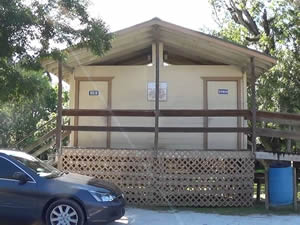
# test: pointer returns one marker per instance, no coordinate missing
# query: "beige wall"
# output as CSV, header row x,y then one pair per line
x,y
185,91
128,92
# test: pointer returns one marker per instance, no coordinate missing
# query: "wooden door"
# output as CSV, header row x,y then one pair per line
x,y
93,95
222,95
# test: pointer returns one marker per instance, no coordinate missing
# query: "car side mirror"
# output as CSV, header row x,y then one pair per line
x,y
21,177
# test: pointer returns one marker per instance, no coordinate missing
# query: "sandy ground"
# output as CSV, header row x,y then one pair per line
x,y
135,216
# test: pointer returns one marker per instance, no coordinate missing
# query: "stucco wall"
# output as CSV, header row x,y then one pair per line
x,y
185,91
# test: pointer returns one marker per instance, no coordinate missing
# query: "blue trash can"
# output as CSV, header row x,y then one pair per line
x,y
281,185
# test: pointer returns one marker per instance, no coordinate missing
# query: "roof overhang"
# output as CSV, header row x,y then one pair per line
x,y
176,39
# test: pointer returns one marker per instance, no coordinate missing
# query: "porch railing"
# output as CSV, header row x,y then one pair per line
x,y
162,113
262,116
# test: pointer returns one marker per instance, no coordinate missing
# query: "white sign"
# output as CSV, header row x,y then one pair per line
x,y
93,93
223,91
163,91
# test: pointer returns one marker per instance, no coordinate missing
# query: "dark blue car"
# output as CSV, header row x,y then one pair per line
x,y
32,191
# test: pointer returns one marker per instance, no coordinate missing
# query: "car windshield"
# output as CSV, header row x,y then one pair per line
x,y
39,167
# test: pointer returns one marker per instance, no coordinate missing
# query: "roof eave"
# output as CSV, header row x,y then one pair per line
x,y
267,60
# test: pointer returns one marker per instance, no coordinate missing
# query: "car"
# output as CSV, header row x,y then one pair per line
x,y
33,191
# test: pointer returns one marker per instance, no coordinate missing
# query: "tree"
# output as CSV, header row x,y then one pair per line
x,y
271,27
35,29
19,118
30,31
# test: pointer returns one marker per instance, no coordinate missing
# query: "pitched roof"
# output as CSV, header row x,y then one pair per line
x,y
175,38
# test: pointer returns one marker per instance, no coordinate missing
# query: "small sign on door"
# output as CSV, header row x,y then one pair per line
x,y
93,93
223,91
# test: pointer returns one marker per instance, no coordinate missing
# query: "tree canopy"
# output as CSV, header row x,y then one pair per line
x,y
273,28
33,29
19,118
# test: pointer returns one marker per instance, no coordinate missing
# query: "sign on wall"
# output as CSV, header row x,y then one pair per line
x,y
93,93
163,91
223,91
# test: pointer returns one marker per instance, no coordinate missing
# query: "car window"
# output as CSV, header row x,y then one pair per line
x,y
7,169
39,167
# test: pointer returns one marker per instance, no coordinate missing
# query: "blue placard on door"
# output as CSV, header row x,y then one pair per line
x,y
223,91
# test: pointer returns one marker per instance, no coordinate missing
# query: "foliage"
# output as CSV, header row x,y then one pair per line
x,y
25,116
263,24
33,29
271,27
19,117
43,127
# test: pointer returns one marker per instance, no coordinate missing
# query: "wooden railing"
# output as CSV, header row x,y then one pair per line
x,y
162,113
20,143
161,129
293,120
280,118
43,143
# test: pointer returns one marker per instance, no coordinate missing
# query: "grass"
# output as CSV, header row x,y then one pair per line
x,y
262,191
258,208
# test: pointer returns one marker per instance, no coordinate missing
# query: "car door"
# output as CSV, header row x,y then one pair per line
x,y
17,201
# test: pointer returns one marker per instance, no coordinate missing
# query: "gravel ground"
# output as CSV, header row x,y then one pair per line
x,y
135,216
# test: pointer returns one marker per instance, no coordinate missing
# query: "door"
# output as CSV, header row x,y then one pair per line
x,y
93,95
18,202
222,95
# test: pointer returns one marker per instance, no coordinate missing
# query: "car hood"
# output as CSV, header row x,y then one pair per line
x,y
82,180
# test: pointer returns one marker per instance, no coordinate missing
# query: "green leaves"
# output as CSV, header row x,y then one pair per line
x,y
279,35
278,90
94,30
18,83
33,29
33,101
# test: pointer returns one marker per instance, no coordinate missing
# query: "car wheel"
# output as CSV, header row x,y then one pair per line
x,y
64,212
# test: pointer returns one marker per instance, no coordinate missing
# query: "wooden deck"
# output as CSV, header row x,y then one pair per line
x,y
264,156
279,156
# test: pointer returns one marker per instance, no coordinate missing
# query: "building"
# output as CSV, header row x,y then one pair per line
x,y
164,114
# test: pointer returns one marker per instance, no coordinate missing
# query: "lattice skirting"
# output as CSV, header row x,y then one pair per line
x,y
170,177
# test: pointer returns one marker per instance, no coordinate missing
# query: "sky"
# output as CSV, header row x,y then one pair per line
x,y
119,14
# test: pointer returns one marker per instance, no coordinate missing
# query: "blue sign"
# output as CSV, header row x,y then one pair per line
x,y
93,93
223,91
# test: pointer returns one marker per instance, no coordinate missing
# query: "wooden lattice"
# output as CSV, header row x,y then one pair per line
x,y
170,177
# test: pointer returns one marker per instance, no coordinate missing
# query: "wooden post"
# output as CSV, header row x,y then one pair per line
x,y
258,188
253,103
267,200
156,96
59,110
295,189
289,141
205,119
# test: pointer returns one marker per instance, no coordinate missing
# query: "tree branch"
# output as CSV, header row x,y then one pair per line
x,y
266,25
251,22
254,39
238,17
